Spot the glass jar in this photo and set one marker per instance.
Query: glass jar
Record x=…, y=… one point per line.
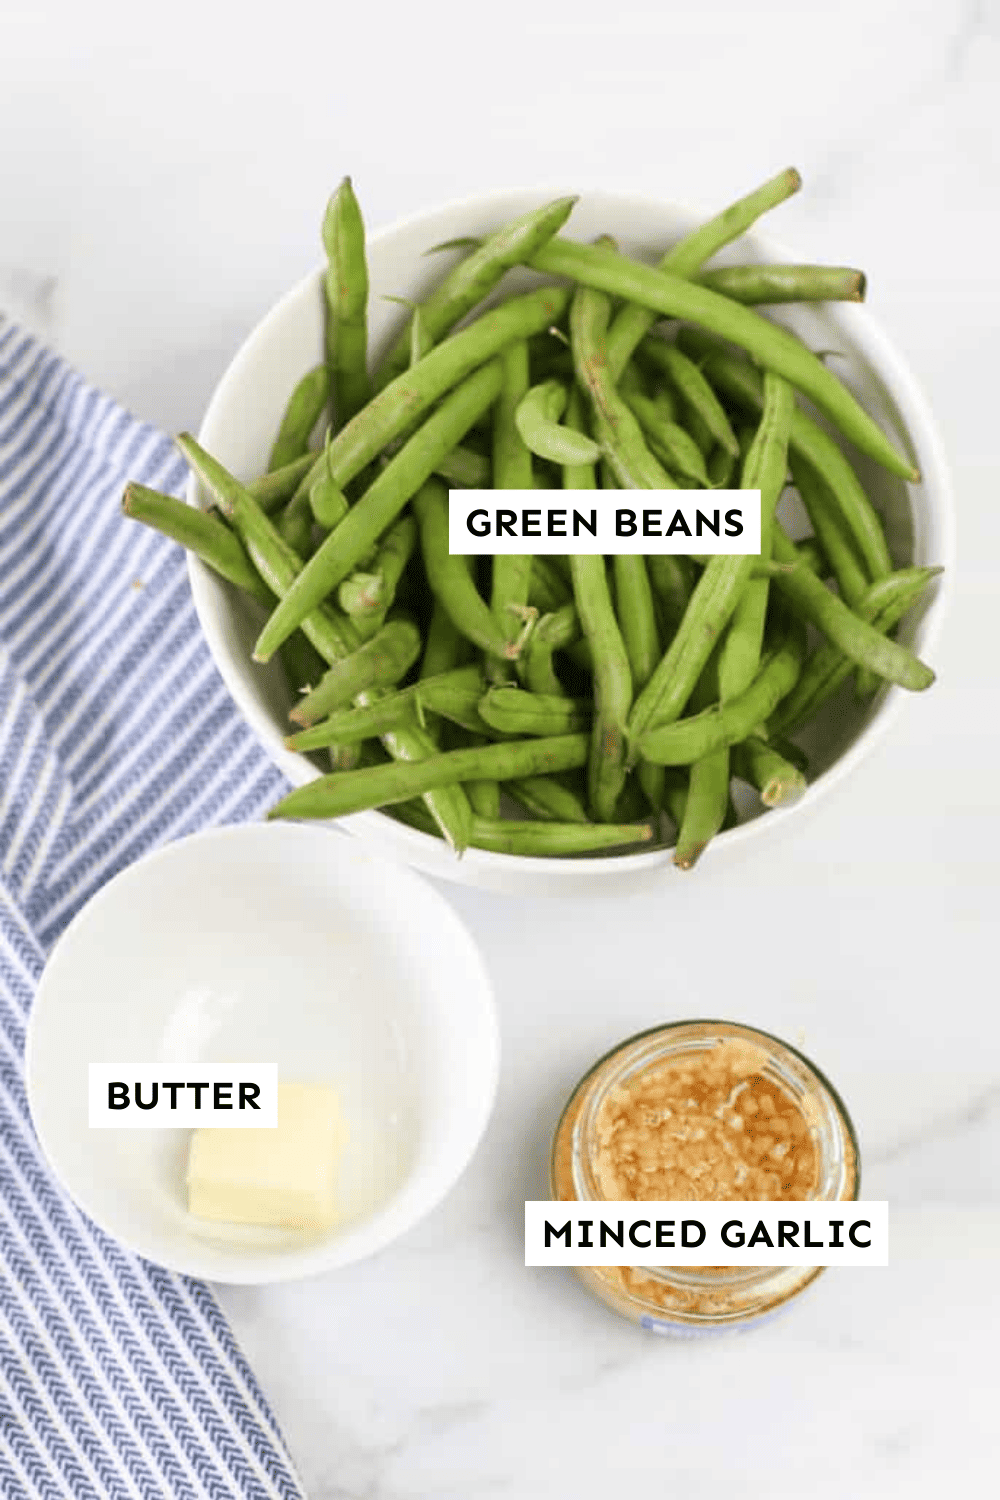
x=771, y=1076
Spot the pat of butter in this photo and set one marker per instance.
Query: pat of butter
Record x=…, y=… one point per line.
x=282, y=1177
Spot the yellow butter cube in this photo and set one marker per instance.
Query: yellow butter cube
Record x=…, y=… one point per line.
x=282, y=1177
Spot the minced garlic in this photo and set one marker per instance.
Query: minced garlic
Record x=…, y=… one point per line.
x=709, y=1111
x=705, y=1124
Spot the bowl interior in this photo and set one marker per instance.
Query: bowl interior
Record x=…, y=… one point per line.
x=273, y=943
x=247, y=406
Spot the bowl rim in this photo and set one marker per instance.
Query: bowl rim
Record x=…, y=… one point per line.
x=417, y=1195
x=424, y=850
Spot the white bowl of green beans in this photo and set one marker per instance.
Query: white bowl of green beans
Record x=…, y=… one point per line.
x=551, y=723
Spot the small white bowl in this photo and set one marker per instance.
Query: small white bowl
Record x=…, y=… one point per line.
x=243, y=418
x=268, y=943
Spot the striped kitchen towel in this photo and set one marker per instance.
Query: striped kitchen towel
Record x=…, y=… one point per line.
x=117, y=1378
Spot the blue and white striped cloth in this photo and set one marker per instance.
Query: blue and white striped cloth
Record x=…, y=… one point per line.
x=117, y=1378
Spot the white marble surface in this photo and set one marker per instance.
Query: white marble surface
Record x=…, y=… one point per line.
x=161, y=174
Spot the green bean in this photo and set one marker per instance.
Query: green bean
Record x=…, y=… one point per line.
x=812, y=554
x=741, y=381
x=277, y=563
x=397, y=406
x=546, y=839
x=449, y=577
x=413, y=814
x=372, y=594
x=548, y=592
x=552, y=632
x=333, y=637
x=617, y=430
x=637, y=621
x=782, y=283
x=301, y=663
x=858, y=639
x=272, y=490
x=511, y=710
x=709, y=610
x=721, y=467
x=380, y=504
x=690, y=254
x=694, y=390
x=612, y=674
x=831, y=531
x=465, y=469
x=764, y=469
x=483, y=792
x=201, y=532
x=537, y=420
x=706, y=796
x=761, y=765
x=377, y=663
x=327, y=500
x=352, y=791
x=346, y=287
x=548, y=798
x=705, y=808
x=675, y=794
x=360, y=597
x=295, y=523
x=669, y=442
x=475, y=277
x=883, y=606
x=672, y=581
x=685, y=741
x=305, y=406
x=512, y=470
x=778, y=350
x=444, y=645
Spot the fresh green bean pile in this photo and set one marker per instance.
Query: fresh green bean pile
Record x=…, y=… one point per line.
x=559, y=706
